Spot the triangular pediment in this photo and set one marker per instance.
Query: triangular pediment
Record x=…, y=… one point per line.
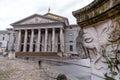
x=35, y=19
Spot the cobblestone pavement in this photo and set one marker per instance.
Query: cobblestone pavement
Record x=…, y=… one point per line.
x=19, y=69
x=76, y=69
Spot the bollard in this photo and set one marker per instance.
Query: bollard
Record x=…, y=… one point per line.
x=40, y=64
x=11, y=55
x=61, y=77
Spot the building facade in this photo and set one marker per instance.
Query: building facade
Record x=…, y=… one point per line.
x=43, y=33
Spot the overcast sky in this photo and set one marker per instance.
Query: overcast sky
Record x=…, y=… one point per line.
x=14, y=10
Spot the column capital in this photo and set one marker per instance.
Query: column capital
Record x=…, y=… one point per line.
x=46, y=28
x=20, y=30
x=62, y=28
x=32, y=29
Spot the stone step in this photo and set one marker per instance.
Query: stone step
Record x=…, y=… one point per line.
x=35, y=54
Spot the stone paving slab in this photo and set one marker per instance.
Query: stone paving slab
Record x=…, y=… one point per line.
x=20, y=69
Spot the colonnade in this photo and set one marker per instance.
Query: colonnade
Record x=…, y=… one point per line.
x=24, y=33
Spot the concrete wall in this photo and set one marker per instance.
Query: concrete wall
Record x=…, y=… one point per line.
x=68, y=31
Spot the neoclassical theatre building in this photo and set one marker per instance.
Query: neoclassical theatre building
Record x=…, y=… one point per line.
x=42, y=33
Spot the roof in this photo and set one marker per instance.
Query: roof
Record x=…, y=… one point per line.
x=54, y=15
x=3, y=32
x=57, y=17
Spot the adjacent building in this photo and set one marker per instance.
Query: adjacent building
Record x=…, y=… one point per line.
x=6, y=39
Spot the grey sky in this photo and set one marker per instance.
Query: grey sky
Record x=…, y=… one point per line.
x=14, y=10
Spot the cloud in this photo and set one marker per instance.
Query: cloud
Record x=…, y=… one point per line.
x=14, y=10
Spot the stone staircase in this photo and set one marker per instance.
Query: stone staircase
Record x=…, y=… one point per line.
x=36, y=54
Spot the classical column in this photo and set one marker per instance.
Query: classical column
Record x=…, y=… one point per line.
x=19, y=41
x=38, y=41
x=61, y=40
x=25, y=41
x=46, y=41
x=53, y=40
x=31, y=40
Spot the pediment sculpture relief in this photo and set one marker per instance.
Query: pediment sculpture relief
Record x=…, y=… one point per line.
x=36, y=20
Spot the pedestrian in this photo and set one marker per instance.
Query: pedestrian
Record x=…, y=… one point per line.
x=27, y=58
x=40, y=64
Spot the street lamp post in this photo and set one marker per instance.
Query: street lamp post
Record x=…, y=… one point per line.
x=8, y=41
x=13, y=44
x=11, y=54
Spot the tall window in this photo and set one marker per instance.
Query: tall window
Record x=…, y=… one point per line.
x=0, y=44
x=58, y=38
x=71, y=48
x=59, y=49
x=22, y=39
x=28, y=38
x=40, y=47
x=70, y=37
x=3, y=38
